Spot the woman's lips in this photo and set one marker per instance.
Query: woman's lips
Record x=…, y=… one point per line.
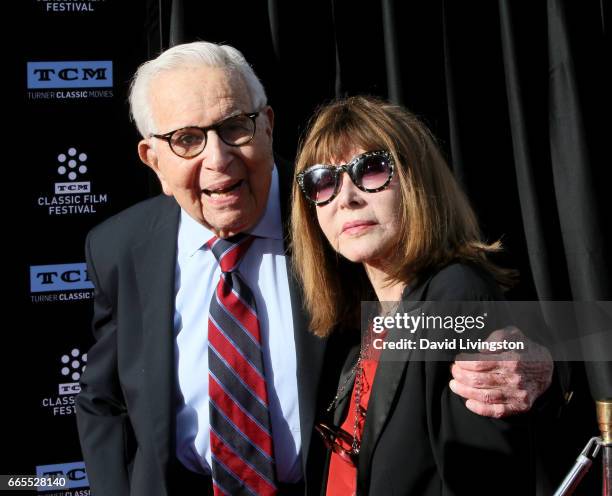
x=356, y=226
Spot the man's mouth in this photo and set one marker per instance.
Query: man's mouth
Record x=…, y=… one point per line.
x=219, y=192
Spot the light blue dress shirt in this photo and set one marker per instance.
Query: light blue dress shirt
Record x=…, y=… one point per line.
x=265, y=271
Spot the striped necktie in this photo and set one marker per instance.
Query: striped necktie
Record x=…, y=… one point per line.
x=240, y=429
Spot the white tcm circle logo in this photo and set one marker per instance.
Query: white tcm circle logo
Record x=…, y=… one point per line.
x=72, y=163
x=74, y=364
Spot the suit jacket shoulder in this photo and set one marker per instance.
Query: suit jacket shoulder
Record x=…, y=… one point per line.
x=114, y=239
x=128, y=225
x=110, y=246
x=457, y=281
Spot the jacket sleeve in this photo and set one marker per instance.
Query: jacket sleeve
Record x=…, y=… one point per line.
x=104, y=428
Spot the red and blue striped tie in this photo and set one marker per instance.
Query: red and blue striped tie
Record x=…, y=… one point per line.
x=240, y=429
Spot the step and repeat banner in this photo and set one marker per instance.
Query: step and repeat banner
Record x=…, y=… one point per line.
x=76, y=166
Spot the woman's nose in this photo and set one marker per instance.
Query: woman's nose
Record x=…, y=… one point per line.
x=349, y=195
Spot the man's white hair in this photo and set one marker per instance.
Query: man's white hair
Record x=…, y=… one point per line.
x=198, y=53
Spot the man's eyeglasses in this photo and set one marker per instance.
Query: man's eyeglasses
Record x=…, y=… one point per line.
x=187, y=142
x=340, y=442
x=370, y=171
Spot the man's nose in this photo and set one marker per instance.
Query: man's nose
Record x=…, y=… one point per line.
x=216, y=155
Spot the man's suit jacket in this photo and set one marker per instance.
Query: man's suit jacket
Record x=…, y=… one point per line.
x=125, y=410
x=419, y=438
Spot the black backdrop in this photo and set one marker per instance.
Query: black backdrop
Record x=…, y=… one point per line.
x=517, y=92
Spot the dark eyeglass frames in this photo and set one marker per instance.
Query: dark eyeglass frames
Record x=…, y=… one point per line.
x=187, y=142
x=370, y=172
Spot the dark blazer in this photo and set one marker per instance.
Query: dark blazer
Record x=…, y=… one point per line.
x=125, y=411
x=419, y=438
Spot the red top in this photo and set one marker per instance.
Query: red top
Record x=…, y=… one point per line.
x=342, y=476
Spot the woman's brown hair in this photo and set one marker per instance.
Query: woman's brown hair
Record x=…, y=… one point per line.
x=437, y=223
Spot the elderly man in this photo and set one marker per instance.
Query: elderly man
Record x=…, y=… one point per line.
x=204, y=376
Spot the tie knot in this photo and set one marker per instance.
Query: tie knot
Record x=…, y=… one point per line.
x=229, y=251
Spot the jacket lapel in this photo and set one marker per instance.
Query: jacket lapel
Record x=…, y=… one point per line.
x=154, y=262
x=391, y=368
x=310, y=351
x=389, y=373
x=345, y=385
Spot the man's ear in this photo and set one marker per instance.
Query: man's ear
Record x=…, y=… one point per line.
x=269, y=113
x=149, y=157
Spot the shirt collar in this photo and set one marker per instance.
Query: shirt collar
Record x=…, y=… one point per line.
x=193, y=235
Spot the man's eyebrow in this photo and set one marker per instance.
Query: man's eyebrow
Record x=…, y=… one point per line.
x=227, y=116
x=233, y=113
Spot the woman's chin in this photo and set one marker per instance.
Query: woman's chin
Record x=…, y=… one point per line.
x=357, y=256
x=363, y=251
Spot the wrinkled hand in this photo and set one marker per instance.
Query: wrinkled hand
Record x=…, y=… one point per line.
x=505, y=383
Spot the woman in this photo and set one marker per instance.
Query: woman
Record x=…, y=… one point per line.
x=378, y=215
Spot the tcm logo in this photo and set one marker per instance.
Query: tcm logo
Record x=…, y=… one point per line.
x=73, y=472
x=62, y=277
x=72, y=188
x=69, y=388
x=77, y=74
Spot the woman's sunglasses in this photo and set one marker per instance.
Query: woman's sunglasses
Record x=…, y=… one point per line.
x=340, y=442
x=370, y=172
